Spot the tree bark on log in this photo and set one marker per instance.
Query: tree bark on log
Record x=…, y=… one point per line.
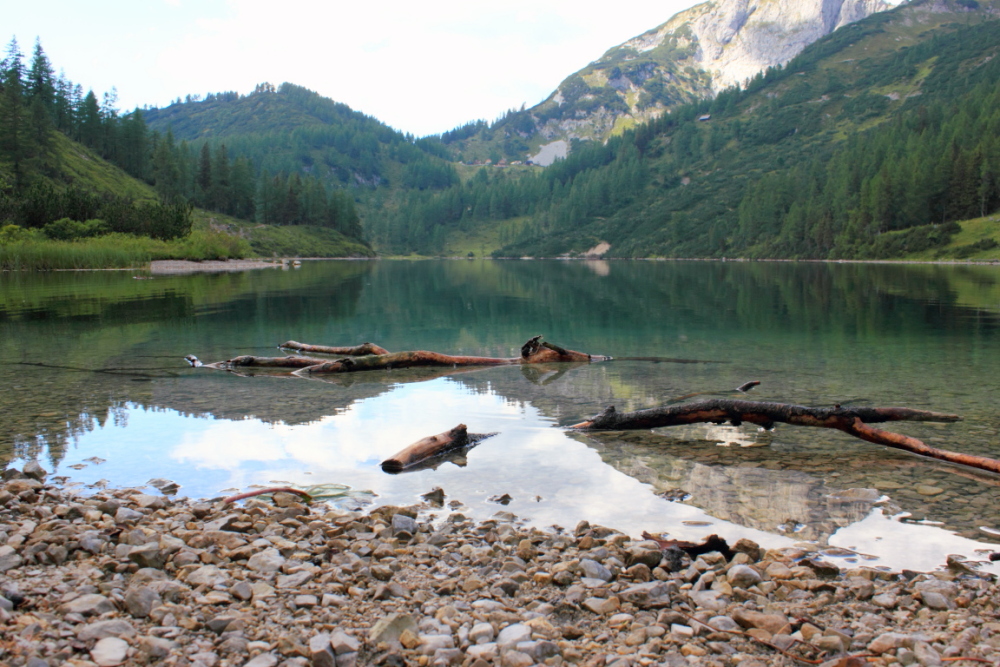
x=249, y=361
x=426, y=448
x=533, y=352
x=853, y=421
x=356, y=351
x=374, y=357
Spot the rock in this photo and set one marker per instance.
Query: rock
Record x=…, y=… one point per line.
x=724, y=624
x=648, y=556
x=150, y=502
x=435, y=496
x=935, y=600
x=207, y=575
x=147, y=555
x=343, y=643
x=91, y=604
x=645, y=595
x=885, y=642
x=269, y=560
x=708, y=600
x=157, y=647
x=512, y=634
x=293, y=580
x=748, y=547
x=126, y=515
x=320, y=651
x=9, y=559
x=481, y=633
x=821, y=567
x=109, y=651
x=926, y=655
x=857, y=495
x=33, y=470
x=112, y=628
x=599, y=606
x=594, y=570
x=773, y=623
x=743, y=576
x=164, y=486
x=389, y=628
x=403, y=523
x=483, y=652
x=262, y=660
x=430, y=644
x=516, y=659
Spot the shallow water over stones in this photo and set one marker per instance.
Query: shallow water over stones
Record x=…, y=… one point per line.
x=95, y=388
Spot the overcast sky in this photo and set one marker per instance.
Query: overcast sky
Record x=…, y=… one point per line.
x=422, y=67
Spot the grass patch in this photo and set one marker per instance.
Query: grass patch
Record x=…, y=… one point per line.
x=303, y=241
x=116, y=251
x=978, y=240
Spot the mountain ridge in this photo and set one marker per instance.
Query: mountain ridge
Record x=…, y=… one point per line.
x=694, y=55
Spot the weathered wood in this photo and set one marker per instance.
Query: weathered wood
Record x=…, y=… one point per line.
x=249, y=361
x=426, y=448
x=533, y=352
x=853, y=420
x=356, y=351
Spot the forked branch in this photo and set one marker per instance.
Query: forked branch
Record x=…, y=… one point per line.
x=852, y=420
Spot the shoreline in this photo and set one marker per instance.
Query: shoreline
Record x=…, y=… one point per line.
x=130, y=577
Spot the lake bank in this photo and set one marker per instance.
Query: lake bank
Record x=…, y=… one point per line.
x=129, y=576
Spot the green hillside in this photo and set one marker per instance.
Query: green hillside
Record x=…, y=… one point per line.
x=290, y=129
x=876, y=142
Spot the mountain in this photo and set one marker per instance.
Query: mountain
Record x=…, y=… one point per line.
x=693, y=56
x=291, y=129
x=879, y=140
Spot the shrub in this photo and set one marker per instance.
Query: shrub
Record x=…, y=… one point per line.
x=65, y=229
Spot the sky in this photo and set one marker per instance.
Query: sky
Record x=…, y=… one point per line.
x=422, y=67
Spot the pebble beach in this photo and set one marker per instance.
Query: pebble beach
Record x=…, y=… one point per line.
x=130, y=577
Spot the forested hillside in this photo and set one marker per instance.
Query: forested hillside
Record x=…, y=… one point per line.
x=289, y=129
x=74, y=168
x=872, y=143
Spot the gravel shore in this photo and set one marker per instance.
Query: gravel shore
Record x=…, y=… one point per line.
x=129, y=577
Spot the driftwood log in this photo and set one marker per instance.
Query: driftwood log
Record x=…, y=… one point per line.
x=533, y=352
x=432, y=447
x=369, y=357
x=356, y=351
x=852, y=420
x=249, y=361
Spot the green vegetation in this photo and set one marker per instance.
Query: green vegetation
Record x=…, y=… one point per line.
x=83, y=186
x=22, y=249
x=875, y=142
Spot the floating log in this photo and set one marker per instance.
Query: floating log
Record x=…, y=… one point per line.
x=356, y=351
x=372, y=357
x=533, y=352
x=422, y=451
x=853, y=421
x=249, y=361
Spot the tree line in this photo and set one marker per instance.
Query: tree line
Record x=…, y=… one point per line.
x=805, y=160
x=34, y=102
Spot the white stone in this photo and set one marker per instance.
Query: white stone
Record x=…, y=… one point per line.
x=109, y=651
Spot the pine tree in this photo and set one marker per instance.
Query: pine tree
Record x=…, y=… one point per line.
x=13, y=129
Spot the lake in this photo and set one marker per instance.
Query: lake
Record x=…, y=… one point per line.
x=94, y=386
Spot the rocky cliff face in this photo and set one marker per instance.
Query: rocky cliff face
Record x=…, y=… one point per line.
x=694, y=55
x=732, y=40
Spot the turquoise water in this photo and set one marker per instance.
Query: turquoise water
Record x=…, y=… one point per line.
x=91, y=365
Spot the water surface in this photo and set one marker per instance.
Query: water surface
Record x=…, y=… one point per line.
x=91, y=366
